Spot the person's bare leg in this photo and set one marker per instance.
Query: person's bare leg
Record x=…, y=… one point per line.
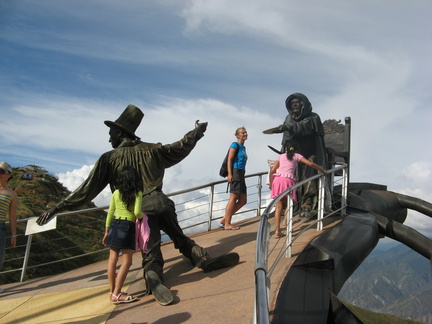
x=241, y=202
x=123, y=271
x=278, y=212
x=229, y=208
x=235, y=202
x=112, y=264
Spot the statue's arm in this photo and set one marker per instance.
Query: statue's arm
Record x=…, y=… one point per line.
x=276, y=130
x=171, y=154
x=88, y=190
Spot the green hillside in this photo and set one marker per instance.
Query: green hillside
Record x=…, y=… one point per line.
x=76, y=234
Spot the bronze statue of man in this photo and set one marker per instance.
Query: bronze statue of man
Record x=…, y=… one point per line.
x=150, y=160
x=305, y=127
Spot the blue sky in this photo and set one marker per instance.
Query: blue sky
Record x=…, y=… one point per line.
x=66, y=66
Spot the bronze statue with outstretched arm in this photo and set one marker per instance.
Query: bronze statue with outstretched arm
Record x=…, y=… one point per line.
x=150, y=160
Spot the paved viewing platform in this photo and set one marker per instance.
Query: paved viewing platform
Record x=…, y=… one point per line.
x=222, y=296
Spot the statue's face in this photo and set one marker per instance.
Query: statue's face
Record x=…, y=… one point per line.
x=296, y=108
x=114, y=138
x=296, y=105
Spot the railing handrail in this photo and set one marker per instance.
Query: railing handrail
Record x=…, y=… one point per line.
x=211, y=184
x=171, y=194
x=262, y=274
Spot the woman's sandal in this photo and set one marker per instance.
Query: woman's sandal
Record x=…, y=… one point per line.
x=128, y=299
x=278, y=235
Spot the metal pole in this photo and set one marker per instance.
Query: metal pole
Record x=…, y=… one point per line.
x=211, y=207
x=344, y=193
x=288, y=220
x=26, y=257
x=321, y=193
x=259, y=194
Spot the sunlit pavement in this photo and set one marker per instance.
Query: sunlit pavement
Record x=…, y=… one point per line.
x=222, y=296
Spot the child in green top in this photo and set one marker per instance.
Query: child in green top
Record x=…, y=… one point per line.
x=120, y=230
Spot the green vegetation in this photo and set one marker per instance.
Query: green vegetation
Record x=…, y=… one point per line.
x=75, y=234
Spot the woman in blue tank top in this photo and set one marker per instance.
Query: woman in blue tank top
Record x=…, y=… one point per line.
x=237, y=159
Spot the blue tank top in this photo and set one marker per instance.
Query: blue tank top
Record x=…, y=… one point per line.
x=241, y=156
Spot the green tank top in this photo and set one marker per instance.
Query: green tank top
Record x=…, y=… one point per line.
x=4, y=206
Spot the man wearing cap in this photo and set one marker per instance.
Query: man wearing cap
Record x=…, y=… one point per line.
x=150, y=160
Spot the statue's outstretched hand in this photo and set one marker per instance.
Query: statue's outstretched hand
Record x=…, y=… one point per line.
x=45, y=217
x=201, y=126
x=275, y=130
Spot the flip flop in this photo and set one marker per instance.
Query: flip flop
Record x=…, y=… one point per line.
x=222, y=226
x=234, y=228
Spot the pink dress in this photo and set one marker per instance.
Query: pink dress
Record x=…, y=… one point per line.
x=284, y=177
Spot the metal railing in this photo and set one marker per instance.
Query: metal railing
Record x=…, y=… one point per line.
x=262, y=271
x=198, y=209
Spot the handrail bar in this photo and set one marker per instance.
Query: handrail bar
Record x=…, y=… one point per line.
x=262, y=274
x=211, y=184
x=209, y=220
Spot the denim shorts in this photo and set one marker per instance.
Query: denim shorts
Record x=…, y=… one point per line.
x=121, y=235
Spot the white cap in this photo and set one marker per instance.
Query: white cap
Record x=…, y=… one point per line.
x=5, y=167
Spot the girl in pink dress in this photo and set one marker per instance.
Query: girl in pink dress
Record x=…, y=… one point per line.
x=282, y=177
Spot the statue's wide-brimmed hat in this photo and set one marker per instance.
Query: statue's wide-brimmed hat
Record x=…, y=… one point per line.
x=128, y=121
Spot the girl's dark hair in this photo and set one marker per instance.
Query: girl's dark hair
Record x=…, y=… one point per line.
x=130, y=185
x=291, y=147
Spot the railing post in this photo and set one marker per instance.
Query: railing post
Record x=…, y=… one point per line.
x=289, y=214
x=344, y=193
x=211, y=207
x=26, y=257
x=321, y=194
x=259, y=194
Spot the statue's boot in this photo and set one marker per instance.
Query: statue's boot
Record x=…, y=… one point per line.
x=219, y=262
x=202, y=260
x=161, y=293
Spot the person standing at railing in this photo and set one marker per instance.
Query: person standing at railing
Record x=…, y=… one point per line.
x=8, y=205
x=282, y=176
x=126, y=203
x=150, y=160
x=236, y=165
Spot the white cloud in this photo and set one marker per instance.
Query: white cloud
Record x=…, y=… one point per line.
x=418, y=172
x=420, y=223
x=73, y=179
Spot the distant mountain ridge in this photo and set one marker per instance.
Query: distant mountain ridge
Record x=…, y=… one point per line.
x=397, y=282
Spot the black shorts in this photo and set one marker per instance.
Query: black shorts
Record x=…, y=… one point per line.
x=238, y=186
x=121, y=235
